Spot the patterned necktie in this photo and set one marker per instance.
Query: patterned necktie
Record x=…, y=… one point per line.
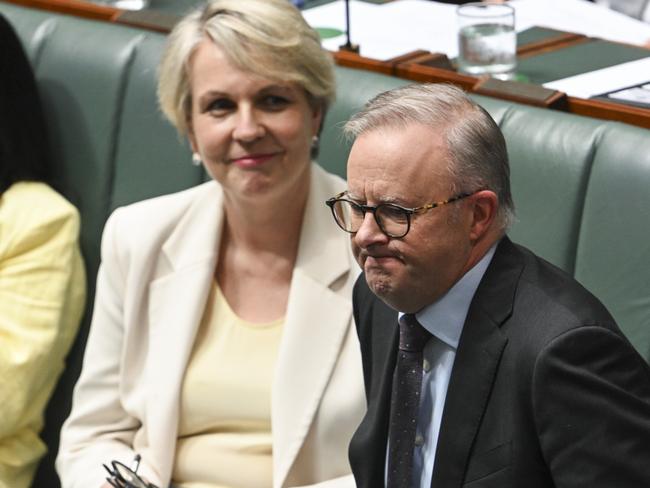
x=405, y=402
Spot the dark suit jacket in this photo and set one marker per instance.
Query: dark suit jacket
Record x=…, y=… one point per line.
x=545, y=390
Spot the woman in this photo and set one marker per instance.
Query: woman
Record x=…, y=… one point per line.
x=222, y=349
x=42, y=281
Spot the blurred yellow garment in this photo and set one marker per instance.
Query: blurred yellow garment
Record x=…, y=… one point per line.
x=224, y=432
x=42, y=295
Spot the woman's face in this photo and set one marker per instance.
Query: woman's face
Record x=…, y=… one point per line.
x=253, y=135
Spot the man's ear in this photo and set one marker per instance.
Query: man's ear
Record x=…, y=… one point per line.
x=485, y=205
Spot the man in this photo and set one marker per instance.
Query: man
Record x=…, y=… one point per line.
x=526, y=380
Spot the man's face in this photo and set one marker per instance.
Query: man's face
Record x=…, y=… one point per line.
x=408, y=167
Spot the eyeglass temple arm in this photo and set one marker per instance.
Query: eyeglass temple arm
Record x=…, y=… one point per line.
x=336, y=197
x=135, y=464
x=424, y=208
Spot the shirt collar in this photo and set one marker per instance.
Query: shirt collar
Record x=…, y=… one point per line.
x=445, y=317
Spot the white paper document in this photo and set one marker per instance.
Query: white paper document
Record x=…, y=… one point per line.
x=391, y=29
x=388, y=30
x=604, y=80
x=637, y=94
x=581, y=17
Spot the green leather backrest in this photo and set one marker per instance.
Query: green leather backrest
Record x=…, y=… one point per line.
x=613, y=254
x=551, y=156
x=354, y=89
x=112, y=146
x=150, y=159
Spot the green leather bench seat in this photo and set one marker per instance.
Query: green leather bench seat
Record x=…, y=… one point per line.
x=581, y=186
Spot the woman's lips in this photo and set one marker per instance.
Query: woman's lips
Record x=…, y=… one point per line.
x=252, y=160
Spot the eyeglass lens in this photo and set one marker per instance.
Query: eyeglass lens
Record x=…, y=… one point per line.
x=393, y=220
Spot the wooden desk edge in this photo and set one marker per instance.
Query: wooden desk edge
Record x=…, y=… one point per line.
x=78, y=8
x=618, y=112
x=563, y=39
x=424, y=74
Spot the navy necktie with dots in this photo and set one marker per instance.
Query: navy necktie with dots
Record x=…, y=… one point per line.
x=405, y=402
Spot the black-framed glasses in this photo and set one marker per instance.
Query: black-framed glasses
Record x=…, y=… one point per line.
x=122, y=476
x=393, y=220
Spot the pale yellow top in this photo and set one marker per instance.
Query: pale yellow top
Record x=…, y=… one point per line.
x=42, y=293
x=224, y=436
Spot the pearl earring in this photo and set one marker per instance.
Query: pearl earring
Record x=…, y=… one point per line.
x=196, y=159
x=315, y=142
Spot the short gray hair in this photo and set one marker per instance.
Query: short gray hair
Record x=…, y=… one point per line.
x=267, y=38
x=479, y=158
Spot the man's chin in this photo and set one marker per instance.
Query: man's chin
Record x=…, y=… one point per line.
x=385, y=289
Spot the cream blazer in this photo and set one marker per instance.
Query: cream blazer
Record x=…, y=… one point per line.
x=158, y=262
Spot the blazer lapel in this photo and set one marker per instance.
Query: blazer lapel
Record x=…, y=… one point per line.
x=176, y=302
x=477, y=360
x=317, y=321
x=380, y=335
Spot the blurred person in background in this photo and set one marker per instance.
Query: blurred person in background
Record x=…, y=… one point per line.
x=42, y=279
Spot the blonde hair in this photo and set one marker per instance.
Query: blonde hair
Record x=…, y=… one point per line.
x=267, y=38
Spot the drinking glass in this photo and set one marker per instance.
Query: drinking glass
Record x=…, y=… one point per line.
x=487, y=41
x=128, y=4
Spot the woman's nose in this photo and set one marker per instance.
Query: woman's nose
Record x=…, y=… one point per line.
x=248, y=126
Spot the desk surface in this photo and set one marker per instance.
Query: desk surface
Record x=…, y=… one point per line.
x=577, y=58
x=543, y=54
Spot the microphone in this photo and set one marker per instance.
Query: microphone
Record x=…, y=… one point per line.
x=348, y=46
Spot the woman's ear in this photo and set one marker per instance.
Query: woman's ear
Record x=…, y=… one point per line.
x=317, y=119
x=191, y=137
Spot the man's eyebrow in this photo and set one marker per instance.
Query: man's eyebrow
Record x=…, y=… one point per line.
x=384, y=199
x=351, y=196
x=392, y=199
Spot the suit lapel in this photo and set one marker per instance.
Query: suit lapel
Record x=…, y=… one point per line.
x=477, y=360
x=316, y=325
x=379, y=336
x=176, y=303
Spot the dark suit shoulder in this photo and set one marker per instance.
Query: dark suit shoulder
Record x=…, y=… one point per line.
x=549, y=302
x=591, y=398
x=537, y=303
x=570, y=394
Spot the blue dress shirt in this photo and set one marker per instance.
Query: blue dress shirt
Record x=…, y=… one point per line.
x=444, y=319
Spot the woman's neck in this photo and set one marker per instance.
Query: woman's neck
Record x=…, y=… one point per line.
x=259, y=247
x=269, y=224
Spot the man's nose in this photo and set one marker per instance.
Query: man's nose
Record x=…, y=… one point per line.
x=369, y=233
